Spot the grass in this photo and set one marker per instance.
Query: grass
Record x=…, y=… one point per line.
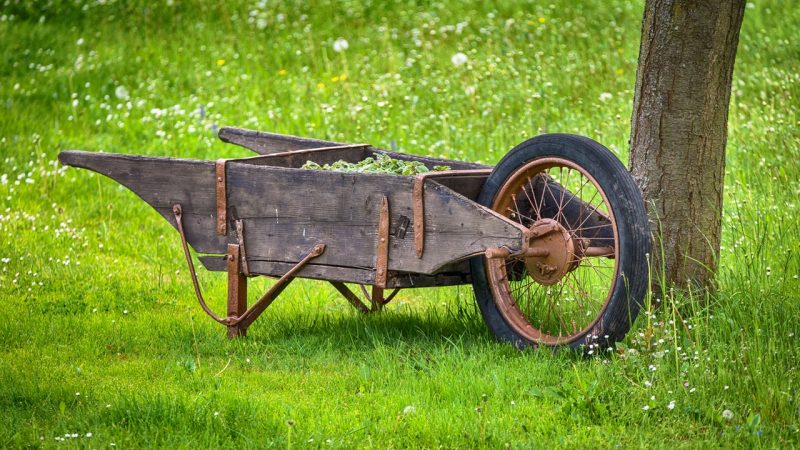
x=102, y=343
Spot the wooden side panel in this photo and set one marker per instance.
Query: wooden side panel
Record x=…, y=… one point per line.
x=268, y=143
x=163, y=182
x=296, y=159
x=285, y=212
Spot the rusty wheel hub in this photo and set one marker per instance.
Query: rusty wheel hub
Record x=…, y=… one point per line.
x=561, y=252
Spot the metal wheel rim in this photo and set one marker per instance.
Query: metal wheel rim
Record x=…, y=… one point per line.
x=496, y=268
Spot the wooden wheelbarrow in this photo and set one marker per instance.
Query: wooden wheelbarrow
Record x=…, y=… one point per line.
x=554, y=239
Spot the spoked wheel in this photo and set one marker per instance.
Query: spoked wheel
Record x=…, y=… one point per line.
x=583, y=279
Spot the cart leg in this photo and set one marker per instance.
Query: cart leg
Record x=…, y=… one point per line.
x=237, y=291
x=377, y=299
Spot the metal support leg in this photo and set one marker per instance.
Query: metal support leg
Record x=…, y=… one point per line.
x=239, y=318
x=376, y=300
x=237, y=291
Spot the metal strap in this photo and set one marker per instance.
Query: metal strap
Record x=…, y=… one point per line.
x=222, y=197
x=382, y=245
x=178, y=212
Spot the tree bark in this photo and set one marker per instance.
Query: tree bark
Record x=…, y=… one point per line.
x=679, y=131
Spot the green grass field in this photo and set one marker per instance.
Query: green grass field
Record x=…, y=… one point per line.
x=102, y=343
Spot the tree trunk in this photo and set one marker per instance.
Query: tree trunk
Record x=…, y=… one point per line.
x=679, y=131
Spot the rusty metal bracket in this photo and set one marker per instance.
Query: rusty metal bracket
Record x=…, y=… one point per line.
x=376, y=299
x=350, y=296
x=242, y=251
x=222, y=197
x=418, y=207
x=177, y=211
x=262, y=303
x=236, y=291
x=382, y=245
x=418, y=201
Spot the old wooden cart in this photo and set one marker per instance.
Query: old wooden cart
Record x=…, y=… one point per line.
x=554, y=239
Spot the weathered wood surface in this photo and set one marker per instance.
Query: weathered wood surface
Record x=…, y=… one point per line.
x=268, y=143
x=162, y=183
x=324, y=155
x=449, y=275
x=295, y=209
x=285, y=212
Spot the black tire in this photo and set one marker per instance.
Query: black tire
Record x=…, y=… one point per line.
x=625, y=209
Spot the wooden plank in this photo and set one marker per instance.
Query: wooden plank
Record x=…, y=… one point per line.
x=266, y=143
x=162, y=183
x=466, y=185
x=451, y=275
x=287, y=211
x=325, y=155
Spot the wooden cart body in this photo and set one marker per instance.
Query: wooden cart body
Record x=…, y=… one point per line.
x=263, y=215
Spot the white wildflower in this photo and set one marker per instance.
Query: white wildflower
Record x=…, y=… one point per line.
x=340, y=45
x=122, y=93
x=727, y=414
x=605, y=96
x=459, y=59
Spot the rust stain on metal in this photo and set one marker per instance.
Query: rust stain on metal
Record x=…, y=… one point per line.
x=237, y=290
x=376, y=299
x=262, y=303
x=222, y=198
x=242, y=251
x=177, y=211
x=239, y=320
x=382, y=246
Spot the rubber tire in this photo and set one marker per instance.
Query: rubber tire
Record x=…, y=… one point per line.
x=628, y=209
